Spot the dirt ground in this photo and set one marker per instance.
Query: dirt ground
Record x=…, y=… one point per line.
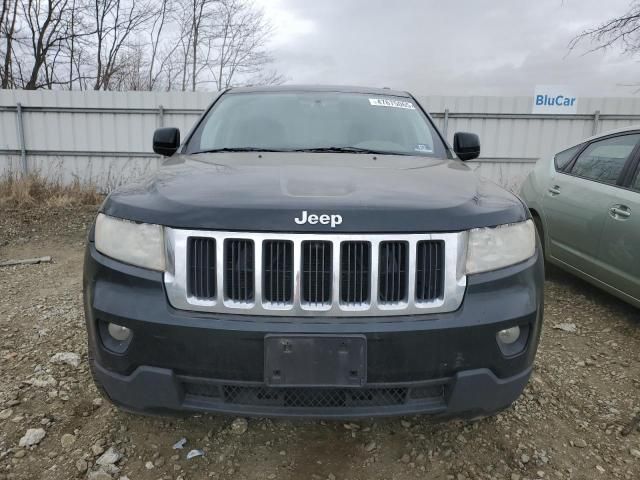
x=575, y=420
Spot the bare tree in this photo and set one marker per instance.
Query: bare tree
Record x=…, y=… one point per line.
x=47, y=31
x=72, y=43
x=223, y=42
x=4, y=15
x=623, y=31
x=37, y=35
x=198, y=14
x=115, y=23
x=196, y=37
x=265, y=77
x=185, y=36
x=8, y=25
x=159, y=22
x=243, y=32
x=131, y=73
x=170, y=70
x=133, y=44
x=4, y=10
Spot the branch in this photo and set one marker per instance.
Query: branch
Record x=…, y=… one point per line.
x=623, y=30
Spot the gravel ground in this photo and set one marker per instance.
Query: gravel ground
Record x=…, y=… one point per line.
x=575, y=420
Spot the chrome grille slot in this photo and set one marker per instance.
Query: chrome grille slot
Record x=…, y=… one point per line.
x=392, y=272
x=201, y=257
x=429, y=270
x=316, y=273
x=277, y=268
x=239, y=270
x=355, y=270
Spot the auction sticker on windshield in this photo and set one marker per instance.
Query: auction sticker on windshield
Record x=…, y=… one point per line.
x=385, y=102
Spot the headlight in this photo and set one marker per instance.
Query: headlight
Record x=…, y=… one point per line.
x=493, y=248
x=140, y=244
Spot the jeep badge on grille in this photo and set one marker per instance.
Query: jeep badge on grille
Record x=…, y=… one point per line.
x=323, y=219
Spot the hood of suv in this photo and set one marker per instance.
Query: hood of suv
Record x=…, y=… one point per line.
x=269, y=191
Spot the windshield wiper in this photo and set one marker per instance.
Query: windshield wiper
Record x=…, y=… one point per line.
x=347, y=150
x=311, y=150
x=241, y=149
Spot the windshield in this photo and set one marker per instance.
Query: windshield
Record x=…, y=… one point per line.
x=317, y=121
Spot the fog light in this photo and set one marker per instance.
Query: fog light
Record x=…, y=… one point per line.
x=118, y=332
x=509, y=335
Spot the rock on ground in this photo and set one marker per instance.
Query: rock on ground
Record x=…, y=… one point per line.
x=33, y=436
x=566, y=327
x=68, y=358
x=42, y=381
x=109, y=457
x=67, y=440
x=99, y=475
x=369, y=447
x=6, y=413
x=239, y=426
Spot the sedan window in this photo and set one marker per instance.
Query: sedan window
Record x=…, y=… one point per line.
x=604, y=160
x=636, y=182
x=563, y=158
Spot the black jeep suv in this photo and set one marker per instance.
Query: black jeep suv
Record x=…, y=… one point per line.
x=313, y=251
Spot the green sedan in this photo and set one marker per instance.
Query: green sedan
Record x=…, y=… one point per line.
x=585, y=202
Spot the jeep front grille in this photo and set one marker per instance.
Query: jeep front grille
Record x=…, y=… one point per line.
x=355, y=268
x=238, y=279
x=429, y=271
x=201, y=279
x=314, y=274
x=277, y=268
x=392, y=272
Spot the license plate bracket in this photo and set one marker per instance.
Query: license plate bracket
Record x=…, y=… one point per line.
x=315, y=360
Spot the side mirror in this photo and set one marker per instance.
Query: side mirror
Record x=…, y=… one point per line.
x=466, y=145
x=166, y=141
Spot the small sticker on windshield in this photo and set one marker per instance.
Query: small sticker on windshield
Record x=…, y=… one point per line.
x=385, y=102
x=423, y=148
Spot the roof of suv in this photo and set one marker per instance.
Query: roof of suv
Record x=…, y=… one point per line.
x=320, y=88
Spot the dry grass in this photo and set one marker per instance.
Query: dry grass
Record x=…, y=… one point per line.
x=34, y=189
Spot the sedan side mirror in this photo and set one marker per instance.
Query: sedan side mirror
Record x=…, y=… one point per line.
x=466, y=145
x=166, y=141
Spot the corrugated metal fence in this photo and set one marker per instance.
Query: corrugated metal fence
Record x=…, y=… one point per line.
x=105, y=137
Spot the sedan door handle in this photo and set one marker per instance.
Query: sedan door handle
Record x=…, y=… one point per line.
x=620, y=212
x=555, y=190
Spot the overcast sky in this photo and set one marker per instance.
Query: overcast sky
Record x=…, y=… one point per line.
x=461, y=47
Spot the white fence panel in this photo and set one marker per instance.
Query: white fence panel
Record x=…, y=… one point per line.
x=99, y=137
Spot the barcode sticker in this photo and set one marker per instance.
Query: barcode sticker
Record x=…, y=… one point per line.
x=385, y=102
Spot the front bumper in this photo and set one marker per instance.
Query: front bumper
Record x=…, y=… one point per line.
x=446, y=364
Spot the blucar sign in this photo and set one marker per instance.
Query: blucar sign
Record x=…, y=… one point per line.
x=554, y=99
